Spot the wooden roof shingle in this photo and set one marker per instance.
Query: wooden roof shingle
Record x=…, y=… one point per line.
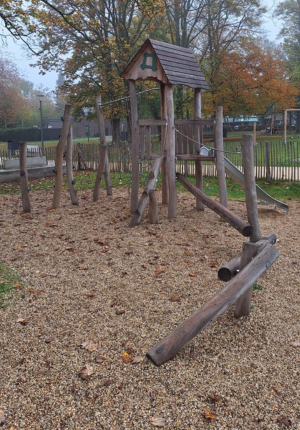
x=177, y=65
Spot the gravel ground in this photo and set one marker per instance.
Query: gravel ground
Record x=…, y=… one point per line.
x=96, y=295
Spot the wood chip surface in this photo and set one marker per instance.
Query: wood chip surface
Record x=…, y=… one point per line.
x=82, y=266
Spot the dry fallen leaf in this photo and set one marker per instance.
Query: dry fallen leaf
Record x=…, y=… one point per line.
x=99, y=359
x=295, y=344
x=86, y=372
x=174, y=299
x=193, y=275
x=18, y=287
x=159, y=271
x=285, y=421
x=89, y=346
x=34, y=291
x=126, y=358
x=214, y=264
x=158, y=421
x=23, y=321
x=2, y=417
x=209, y=415
x=137, y=359
x=120, y=312
x=186, y=251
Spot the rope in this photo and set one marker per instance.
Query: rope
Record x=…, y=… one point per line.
x=211, y=147
x=127, y=97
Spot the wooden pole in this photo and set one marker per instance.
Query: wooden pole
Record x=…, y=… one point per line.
x=198, y=163
x=24, y=177
x=250, y=188
x=164, y=177
x=177, y=339
x=135, y=146
x=230, y=269
x=69, y=167
x=59, y=157
x=244, y=228
x=152, y=212
x=103, y=153
x=220, y=156
x=170, y=146
x=151, y=184
x=284, y=125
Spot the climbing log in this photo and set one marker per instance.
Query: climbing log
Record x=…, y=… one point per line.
x=230, y=269
x=59, y=157
x=244, y=228
x=177, y=339
x=151, y=184
x=24, y=177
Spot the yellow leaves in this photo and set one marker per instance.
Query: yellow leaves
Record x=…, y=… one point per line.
x=209, y=415
x=126, y=358
x=186, y=251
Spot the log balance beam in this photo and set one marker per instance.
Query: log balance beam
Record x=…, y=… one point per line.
x=230, y=269
x=244, y=228
x=168, y=347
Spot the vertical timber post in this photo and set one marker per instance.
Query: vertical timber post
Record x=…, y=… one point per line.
x=284, y=125
x=220, y=156
x=198, y=164
x=135, y=146
x=24, y=177
x=164, y=179
x=170, y=146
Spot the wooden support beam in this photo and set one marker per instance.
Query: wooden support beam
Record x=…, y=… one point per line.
x=69, y=167
x=220, y=156
x=134, y=146
x=197, y=134
x=164, y=176
x=100, y=171
x=24, y=177
x=230, y=269
x=59, y=157
x=250, y=186
x=168, y=347
x=152, y=212
x=244, y=228
x=170, y=147
x=151, y=184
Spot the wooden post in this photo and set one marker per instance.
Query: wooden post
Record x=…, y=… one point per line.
x=135, y=146
x=148, y=142
x=151, y=184
x=267, y=156
x=59, y=157
x=173, y=342
x=170, y=146
x=244, y=228
x=101, y=166
x=164, y=176
x=250, y=188
x=80, y=157
x=24, y=177
x=220, y=156
x=198, y=163
x=230, y=269
x=69, y=167
x=152, y=212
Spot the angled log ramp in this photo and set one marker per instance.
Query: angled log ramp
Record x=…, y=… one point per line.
x=151, y=184
x=244, y=228
x=232, y=291
x=229, y=270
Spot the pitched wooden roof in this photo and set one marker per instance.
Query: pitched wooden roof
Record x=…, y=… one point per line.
x=174, y=65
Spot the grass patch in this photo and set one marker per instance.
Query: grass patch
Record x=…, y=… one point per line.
x=8, y=280
x=84, y=180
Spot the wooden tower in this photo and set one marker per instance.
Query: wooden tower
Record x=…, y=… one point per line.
x=169, y=65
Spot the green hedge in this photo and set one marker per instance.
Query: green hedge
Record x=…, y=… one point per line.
x=28, y=134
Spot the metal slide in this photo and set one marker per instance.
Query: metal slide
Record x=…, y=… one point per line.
x=234, y=173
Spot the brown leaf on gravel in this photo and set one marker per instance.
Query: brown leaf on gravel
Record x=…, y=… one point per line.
x=18, y=287
x=137, y=359
x=2, y=417
x=108, y=383
x=99, y=359
x=158, y=421
x=43, y=275
x=34, y=291
x=89, y=346
x=214, y=398
x=159, y=271
x=120, y=312
x=86, y=372
x=214, y=264
x=175, y=299
x=90, y=295
x=284, y=421
x=126, y=358
x=186, y=251
x=23, y=321
x=193, y=275
x=295, y=344
x=209, y=415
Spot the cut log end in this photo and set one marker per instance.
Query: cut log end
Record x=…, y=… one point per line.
x=224, y=274
x=247, y=231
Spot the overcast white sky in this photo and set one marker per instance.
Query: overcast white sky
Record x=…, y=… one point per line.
x=17, y=54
